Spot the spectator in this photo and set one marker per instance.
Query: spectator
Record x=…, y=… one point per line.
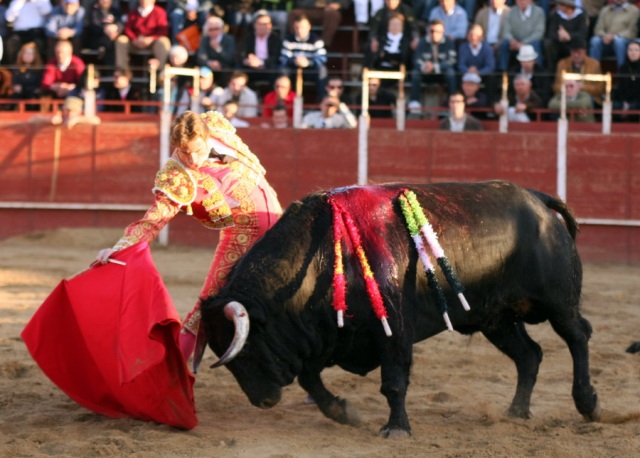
x=238, y=91
x=147, y=27
x=217, y=50
x=592, y=10
x=183, y=13
x=81, y=89
x=434, y=62
x=568, y=22
x=617, y=24
x=238, y=14
x=424, y=8
x=304, y=49
x=378, y=26
x=28, y=19
x=627, y=94
x=458, y=119
x=492, y=19
x=579, y=62
x=278, y=11
x=522, y=102
x=70, y=115
x=260, y=50
x=324, y=13
x=330, y=116
x=66, y=22
x=576, y=99
x=279, y=118
x=206, y=95
x=475, y=55
x=27, y=76
x=230, y=111
x=454, y=18
x=104, y=25
x=525, y=24
x=335, y=87
x=394, y=49
x=528, y=66
x=282, y=95
x=474, y=96
x=62, y=73
x=363, y=13
x=123, y=89
x=381, y=100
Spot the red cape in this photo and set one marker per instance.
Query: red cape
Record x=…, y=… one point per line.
x=108, y=338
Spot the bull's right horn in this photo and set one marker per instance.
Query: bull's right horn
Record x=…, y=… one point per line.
x=235, y=312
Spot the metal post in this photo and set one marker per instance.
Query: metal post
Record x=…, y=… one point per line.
x=165, y=122
x=363, y=124
x=503, y=122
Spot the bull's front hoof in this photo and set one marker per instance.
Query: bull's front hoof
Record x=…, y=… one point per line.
x=519, y=412
x=341, y=411
x=596, y=414
x=394, y=433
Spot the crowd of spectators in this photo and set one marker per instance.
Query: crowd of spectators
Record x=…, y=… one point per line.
x=249, y=51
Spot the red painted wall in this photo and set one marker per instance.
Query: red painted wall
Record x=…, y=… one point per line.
x=115, y=163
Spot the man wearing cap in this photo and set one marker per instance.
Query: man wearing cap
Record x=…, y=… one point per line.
x=617, y=24
x=259, y=53
x=473, y=95
x=568, y=22
x=525, y=24
x=528, y=65
x=579, y=62
x=206, y=96
x=66, y=22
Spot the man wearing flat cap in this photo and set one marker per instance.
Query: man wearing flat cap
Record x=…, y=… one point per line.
x=567, y=22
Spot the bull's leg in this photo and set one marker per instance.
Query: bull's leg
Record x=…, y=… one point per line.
x=395, y=371
x=512, y=339
x=331, y=406
x=576, y=332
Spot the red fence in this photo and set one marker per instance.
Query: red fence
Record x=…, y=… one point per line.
x=104, y=167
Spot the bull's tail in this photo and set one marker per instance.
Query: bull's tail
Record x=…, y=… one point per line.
x=559, y=206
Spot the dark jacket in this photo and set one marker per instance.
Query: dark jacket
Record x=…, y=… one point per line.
x=274, y=46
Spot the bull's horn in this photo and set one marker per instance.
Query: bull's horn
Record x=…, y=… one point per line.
x=235, y=312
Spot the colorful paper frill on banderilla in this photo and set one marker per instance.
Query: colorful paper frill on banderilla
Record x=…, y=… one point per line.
x=344, y=226
x=420, y=228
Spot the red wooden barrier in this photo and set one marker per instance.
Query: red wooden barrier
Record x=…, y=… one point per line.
x=115, y=162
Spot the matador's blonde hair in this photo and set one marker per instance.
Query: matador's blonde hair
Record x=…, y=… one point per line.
x=187, y=127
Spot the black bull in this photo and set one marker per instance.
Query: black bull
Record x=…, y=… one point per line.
x=515, y=258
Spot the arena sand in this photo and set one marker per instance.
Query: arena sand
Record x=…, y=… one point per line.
x=460, y=387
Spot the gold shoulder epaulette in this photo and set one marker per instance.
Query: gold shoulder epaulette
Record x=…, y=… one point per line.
x=176, y=183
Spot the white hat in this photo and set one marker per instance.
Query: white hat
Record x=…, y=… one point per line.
x=470, y=77
x=526, y=53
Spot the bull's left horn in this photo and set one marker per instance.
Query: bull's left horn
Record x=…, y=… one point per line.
x=235, y=312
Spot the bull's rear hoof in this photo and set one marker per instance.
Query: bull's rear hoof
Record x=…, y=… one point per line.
x=394, y=433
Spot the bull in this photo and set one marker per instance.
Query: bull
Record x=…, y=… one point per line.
x=515, y=258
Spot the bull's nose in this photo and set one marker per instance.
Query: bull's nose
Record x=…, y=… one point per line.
x=269, y=401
